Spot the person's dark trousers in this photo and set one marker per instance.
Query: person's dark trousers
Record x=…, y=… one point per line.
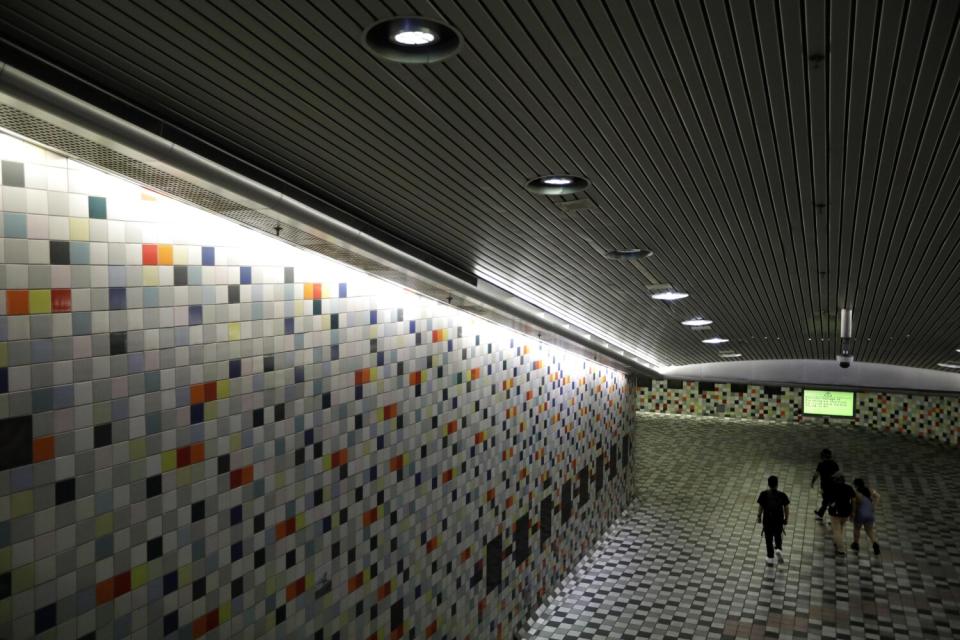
x=774, y=540
x=825, y=500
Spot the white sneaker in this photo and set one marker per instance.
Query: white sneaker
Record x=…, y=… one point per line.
x=780, y=556
x=770, y=561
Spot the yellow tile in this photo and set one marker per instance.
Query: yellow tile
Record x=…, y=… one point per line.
x=103, y=525
x=5, y=559
x=40, y=301
x=21, y=504
x=233, y=330
x=151, y=276
x=138, y=448
x=181, y=255
x=22, y=578
x=224, y=612
x=223, y=389
x=168, y=460
x=3, y=354
x=138, y=576
x=79, y=229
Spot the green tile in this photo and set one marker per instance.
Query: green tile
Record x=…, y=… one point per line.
x=97, y=207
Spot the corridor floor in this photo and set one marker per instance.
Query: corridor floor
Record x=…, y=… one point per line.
x=686, y=560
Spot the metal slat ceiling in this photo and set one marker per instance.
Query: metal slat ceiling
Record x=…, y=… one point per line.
x=782, y=159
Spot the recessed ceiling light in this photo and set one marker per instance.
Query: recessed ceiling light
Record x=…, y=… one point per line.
x=696, y=322
x=412, y=40
x=714, y=340
x=414, y=37
x=557, y=185
x=730, y=355
x=629, y=254
x=669, y=295
x=949, y=365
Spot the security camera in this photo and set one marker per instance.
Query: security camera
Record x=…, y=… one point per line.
x=845, y=361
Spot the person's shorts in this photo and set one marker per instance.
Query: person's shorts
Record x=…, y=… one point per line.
x=865, y=522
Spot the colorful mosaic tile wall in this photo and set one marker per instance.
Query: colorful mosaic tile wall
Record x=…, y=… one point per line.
x=927, y=417
x=205, y=432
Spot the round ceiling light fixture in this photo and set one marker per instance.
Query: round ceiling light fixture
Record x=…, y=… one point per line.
x=670, y=296
x=949, y=365
x=696, y=322
x=628, y=254
x=714, y=340
x=557, y=185
x=412, y=40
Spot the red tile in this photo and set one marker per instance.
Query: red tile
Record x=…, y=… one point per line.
x=355, y=582
x=210, y=391
x=149, y=254
x=61, y=300
x=43, y=449
x=121, y=584
x=105, y=591
x=183, y=457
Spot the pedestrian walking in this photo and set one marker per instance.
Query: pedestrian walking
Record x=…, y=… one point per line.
x=864, y=514
x=840, y=508
x=773, y=513
x=826, y=469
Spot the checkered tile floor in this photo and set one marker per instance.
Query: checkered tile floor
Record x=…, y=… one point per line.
x=686, y=560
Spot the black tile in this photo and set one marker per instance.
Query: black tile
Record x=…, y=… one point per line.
x=521, y=539
x=118, y=342
x=102, y=435
x=199, y=588
x=493, y=563
x=45, y=618
x=59, y=252
x=198, y=511
x=154, y=548
x=16, y=445
x=233, y=293
x=180, y=275
x=154, y=485
x=66, y=490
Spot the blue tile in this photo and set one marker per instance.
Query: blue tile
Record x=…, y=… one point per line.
x=235, y=368
x=4, y=380
x=79, y=252
x=317, y=307
x=81, y=323
x=373, y=316
x=287, y=326
x=196, y=413
x=196, y=314
x=118, y=298
x=15, y=225
x=208, y=255
x=246, y=275
x=151, y=297
x=97, y=207
x=343, y=289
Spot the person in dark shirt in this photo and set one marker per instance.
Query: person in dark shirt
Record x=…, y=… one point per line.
x=825, y=471
x=773, y=512
x=840, y=508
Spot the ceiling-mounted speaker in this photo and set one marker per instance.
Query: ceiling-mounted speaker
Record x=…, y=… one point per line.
x=572, y=206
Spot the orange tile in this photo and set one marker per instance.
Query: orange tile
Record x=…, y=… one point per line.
x=370, y=517
x=105, y=591
x=18, y=302
x=199, y=626
x=339, y=458
x=355, y=582
x=384, y=590
x=307, y=291
x=447, y=476
x=165, y=254
x=43, y=449
x=396, y=463
x=432, y=544
x=451, y=427
x=197, y=453
x=196, y=394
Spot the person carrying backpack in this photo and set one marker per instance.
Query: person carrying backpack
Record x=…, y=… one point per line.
x=840, y=509
x=865, y=505
x=773, y=512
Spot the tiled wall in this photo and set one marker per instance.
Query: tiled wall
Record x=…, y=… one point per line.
x=927, y=417
x=206, y=432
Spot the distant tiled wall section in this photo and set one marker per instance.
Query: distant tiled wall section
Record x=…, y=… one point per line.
x=927, y=417
x=206, y=432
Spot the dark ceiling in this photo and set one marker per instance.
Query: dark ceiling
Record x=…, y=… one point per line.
x=782, y=159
